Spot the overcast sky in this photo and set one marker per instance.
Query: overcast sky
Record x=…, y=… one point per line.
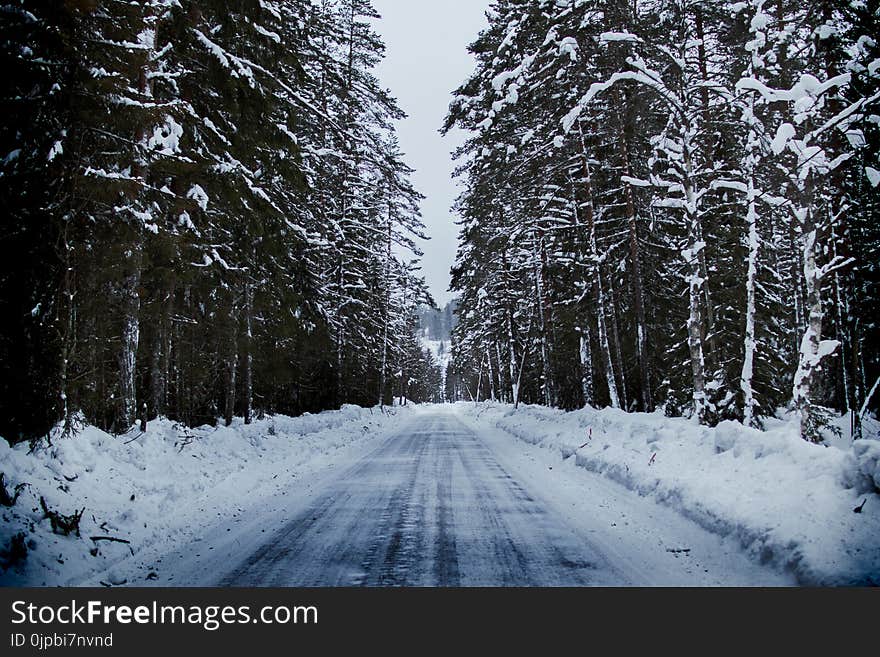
x=426, y=61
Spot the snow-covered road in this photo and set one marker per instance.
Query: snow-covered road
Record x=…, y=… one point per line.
x=444, y=502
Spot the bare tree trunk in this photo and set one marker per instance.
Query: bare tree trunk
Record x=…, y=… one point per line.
x=340, y=329
x=522, y=364
x=542, y=323
x=68, y=335
x=615, y=336
x=156, y=374
x=479, y=382
x=601, y=302
x=131, y=282
x=709, y=147
x=813, y=348
x=230, y=365
x=586, y=355
x=514, y=380
x=750, y=343
x=248, y=352
x=638, y=293
x=695, y=284
x=131, y=306
x=811, y=343
x=490, y=373
x=498, y=361
x=387, y=311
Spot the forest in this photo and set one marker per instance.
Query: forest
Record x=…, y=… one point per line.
x=672, y=205
x=206, y=214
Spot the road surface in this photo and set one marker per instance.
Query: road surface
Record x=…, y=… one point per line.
x=447, y=503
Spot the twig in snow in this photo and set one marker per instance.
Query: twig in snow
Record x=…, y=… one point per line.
x=589, y=438
x=133, y=439
x=109, y=538
x=7, y=499
x=113, y=539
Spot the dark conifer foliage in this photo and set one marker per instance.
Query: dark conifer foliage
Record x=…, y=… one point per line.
x=206, y=215
x=667, y=206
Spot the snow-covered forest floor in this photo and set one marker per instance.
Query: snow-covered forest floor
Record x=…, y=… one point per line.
x=162, y=488
x=788, y=502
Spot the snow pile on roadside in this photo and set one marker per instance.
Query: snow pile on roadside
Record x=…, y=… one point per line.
x=162, y=486
x=789, y=503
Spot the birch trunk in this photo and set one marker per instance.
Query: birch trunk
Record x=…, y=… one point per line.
x=695, y=291
x=750, y=343
x=813, y=349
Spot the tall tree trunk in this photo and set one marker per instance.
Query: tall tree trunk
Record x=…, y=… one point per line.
x=67, y=338
x=387, y=312
x=750, y=343
x=498, y=361
x=586, y=356
x=813, y=349
x=596, y=264
x=230, y=368
x=542, y=322
x=130, y=288
x=156, y=374
x=167, y=355
x=248, y=352
x=647, y=395
x=615, y=337
x=695, y=285
x=490, y=373
x=511, y=342
x=131, y=306
x=340, y=329
x=479, y=382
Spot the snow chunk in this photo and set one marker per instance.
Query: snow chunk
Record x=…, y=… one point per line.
x=166, y=137
x=783, y=135
x=569, y=46
x=501, y=79
x=267, y=33
x=873, y=176
x=611, y=37
x=867, y=454
x=198, y=194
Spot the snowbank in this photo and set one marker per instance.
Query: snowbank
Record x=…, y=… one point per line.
x=162, y=486
x=789, y=503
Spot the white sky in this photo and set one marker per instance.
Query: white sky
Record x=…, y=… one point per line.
x=426, y=60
